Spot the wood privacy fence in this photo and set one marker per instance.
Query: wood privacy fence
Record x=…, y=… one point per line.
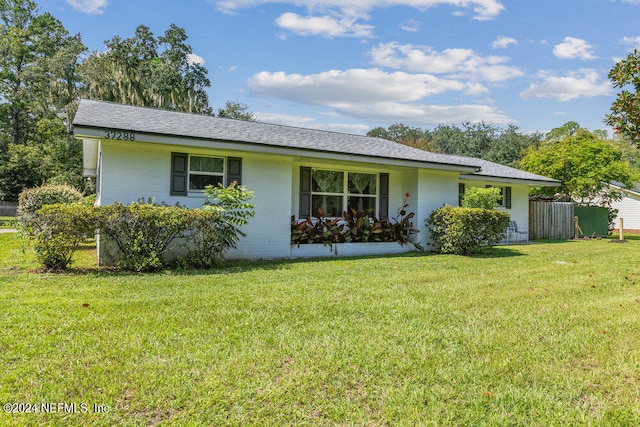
x=8, y=208
x=551, y=220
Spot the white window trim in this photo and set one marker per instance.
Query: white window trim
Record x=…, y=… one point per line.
x=200, y=193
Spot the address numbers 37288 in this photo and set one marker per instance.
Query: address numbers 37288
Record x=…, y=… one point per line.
x=119, y=135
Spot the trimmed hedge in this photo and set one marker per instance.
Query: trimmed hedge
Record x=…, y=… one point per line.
x=466, y=231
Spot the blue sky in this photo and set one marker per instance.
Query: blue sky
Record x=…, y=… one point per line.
x=351, y=65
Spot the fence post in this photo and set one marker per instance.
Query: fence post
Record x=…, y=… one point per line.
x=621, y=229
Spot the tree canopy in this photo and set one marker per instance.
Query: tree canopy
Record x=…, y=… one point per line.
x=481, y=140
x=625, y=110
x=583, y=161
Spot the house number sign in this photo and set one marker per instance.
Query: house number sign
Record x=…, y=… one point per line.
x=119, y=135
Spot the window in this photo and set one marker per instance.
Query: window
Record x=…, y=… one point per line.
x=333, y=192
x=192, y=173
x=505, y=196
x=205, y=171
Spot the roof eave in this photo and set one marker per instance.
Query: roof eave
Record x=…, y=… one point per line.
x=506, y=180
x=97, y=132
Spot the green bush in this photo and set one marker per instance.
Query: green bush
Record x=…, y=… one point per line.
x=216, y=227
x=478, y=197
x=466, y=231
x=142, y=232
x=32, y=199
x=57, y=231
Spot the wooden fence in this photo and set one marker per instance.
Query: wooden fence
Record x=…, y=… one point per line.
x=8, y=208
x=551, y=220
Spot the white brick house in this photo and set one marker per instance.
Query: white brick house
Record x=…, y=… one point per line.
x=139, y=153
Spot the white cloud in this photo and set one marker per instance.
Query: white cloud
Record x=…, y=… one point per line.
x=325, y=26
x=412, y=26
x=375, y=95
x=360, y=86
x=584, y=83
x=573, y=48
x=426, y=115
x=456, y=63
x=192, y=58
x=483, y=9
x=502, y=42
x=90, y=7
x=634, y=42
x=310, y=123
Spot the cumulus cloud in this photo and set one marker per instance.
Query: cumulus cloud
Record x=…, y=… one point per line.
x=634, y=42
x=325, y=26
x=374, y=94
x=192, y=58
x=90, y=7
x=427, y=115
x=584, y=83
x=483, y=9
x=360, y=86
x=456, y=63
x=573, y=48
x=503, y=42
x=412, y=26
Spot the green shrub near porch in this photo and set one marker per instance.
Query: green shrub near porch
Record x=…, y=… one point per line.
x=466, y=231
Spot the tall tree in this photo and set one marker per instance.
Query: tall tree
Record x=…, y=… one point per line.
x=625, y=110
x=28, y=42
x=147, y=71
x=583, y=161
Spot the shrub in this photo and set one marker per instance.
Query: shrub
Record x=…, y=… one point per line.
x=216, y=227
x=142, y=232
x=465, y=231
x=32, y=199
x=478, y=197
x=57, y=231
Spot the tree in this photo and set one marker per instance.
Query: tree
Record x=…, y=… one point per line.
x=149, y=71
x=407, y=135
x=484, y=141
x=236, y=110
x=625, y=110
x=28, y=43
x=582, y=161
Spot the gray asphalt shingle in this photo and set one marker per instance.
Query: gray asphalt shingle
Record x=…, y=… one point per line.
x=107, y=115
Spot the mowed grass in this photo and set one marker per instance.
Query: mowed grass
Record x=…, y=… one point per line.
x=545, y=334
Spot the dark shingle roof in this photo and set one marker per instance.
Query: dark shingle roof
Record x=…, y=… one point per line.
x=107, y=115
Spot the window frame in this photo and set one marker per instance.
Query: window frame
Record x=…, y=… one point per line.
x=204, y=173
x=345, y=195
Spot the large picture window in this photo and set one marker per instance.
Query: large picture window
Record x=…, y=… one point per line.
x=333, y=192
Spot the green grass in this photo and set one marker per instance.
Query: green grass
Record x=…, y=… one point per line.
x=542, y=335
x=7, y=222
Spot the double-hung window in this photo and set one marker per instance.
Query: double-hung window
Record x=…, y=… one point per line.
x=333, y=192
x=204, y=170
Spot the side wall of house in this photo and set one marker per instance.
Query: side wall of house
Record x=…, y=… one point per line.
x=435, y=189
x=628, y=209
x=130, y=172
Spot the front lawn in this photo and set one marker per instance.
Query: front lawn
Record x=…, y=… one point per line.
x=545, y=334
